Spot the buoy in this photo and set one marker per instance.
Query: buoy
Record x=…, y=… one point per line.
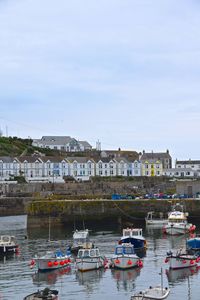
x=129, y=262
x=184, y=261
x=55, y=263
x=61, y=262
x=117, y=261
x=50, y=264
x=166, y=260
x=192, y=262
x=140, y=263
x=66, y=261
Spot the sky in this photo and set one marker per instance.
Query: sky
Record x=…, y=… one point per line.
x=124, y=72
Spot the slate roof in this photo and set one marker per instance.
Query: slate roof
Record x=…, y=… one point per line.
x=155, y=155
x=79, y=159
x=188, y=162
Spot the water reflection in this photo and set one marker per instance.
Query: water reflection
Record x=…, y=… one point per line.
x=180, y=275
x=90, y=278
x=50, y=277
x=125, y=278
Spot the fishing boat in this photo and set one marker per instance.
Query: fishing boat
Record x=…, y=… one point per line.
x=8, y=244
x=51, y=260
x=46, y=294
x=156, y=293
x=181, y=259
x=133, y=236
x=81, y=240
x=89, y=259
x=157, y=221
x=177, y=222
x=125, y=257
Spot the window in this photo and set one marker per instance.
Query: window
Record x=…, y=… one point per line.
x=100, y=165
x=146, y=166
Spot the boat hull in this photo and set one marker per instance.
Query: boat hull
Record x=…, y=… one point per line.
x=125, y=262
x=156, y=293
x=136, y=242
x=181, y=262
x=173, y=229
x=8, y=249
x=87, y=264
x=47, y=264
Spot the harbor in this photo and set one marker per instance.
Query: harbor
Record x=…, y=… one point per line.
x=18, y=279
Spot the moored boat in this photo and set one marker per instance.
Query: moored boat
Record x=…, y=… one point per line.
x=157, y=221
x=193, y=244
x=81, y=240
x=181, y=260
x=152, y=293
x=177, y=222
x=51, y=260
x=125, y=257
x=133, y=236
x=8, y=244
x=156, y=292
x=89, y=259
x=46, y=294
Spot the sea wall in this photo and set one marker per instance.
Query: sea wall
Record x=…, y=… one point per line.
x=66, y=211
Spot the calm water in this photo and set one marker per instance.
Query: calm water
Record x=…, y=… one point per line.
x=18, y=280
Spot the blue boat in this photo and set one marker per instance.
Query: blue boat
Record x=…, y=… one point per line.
x=133, y=236
x=193, y=244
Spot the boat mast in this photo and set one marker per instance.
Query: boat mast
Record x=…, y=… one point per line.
x=161, y=273
x=49, y=229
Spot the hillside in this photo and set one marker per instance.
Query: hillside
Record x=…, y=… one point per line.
x=14, y=146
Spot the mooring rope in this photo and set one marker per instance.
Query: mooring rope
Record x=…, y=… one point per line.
x=127, y=215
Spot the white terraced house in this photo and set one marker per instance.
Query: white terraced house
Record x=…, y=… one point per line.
x=106, y=167
x=9, y=167
x=81, y=168
x=62, y=143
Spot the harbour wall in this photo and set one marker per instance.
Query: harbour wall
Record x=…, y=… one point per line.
x=68, y=211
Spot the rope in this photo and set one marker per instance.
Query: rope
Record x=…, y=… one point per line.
x=127, y=215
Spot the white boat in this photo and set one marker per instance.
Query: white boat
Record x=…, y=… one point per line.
x=8, y=244
x=81, y=240
x=125, y=257
x=133, y=236
x=45, y=294
x=156, y=293
x=181, y=260
x=177, y=222
x=152, y=220
x=51, y=260
x=89, y=259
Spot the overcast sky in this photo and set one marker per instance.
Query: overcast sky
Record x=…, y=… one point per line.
x=126, y=72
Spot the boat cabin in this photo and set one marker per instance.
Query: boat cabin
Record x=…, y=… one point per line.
x=124, y=249
x=7, y=240
x=88, y=253
x=132, y=232
x=81, y=236
x=177, y=217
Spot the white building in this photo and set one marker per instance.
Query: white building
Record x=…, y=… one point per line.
x=62, y=143
x=180, y=172
x=81, y=168
x=106, y=167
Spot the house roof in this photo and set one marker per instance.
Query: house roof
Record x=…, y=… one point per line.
x=155, y=155
x=8, y=159
x=188, y=162
x=54, y=140
x=85, y=144
x=79, y=159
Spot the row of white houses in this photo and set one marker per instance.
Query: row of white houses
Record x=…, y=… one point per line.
x=54, y=169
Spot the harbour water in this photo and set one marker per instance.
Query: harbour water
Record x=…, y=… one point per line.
x=17, y=279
